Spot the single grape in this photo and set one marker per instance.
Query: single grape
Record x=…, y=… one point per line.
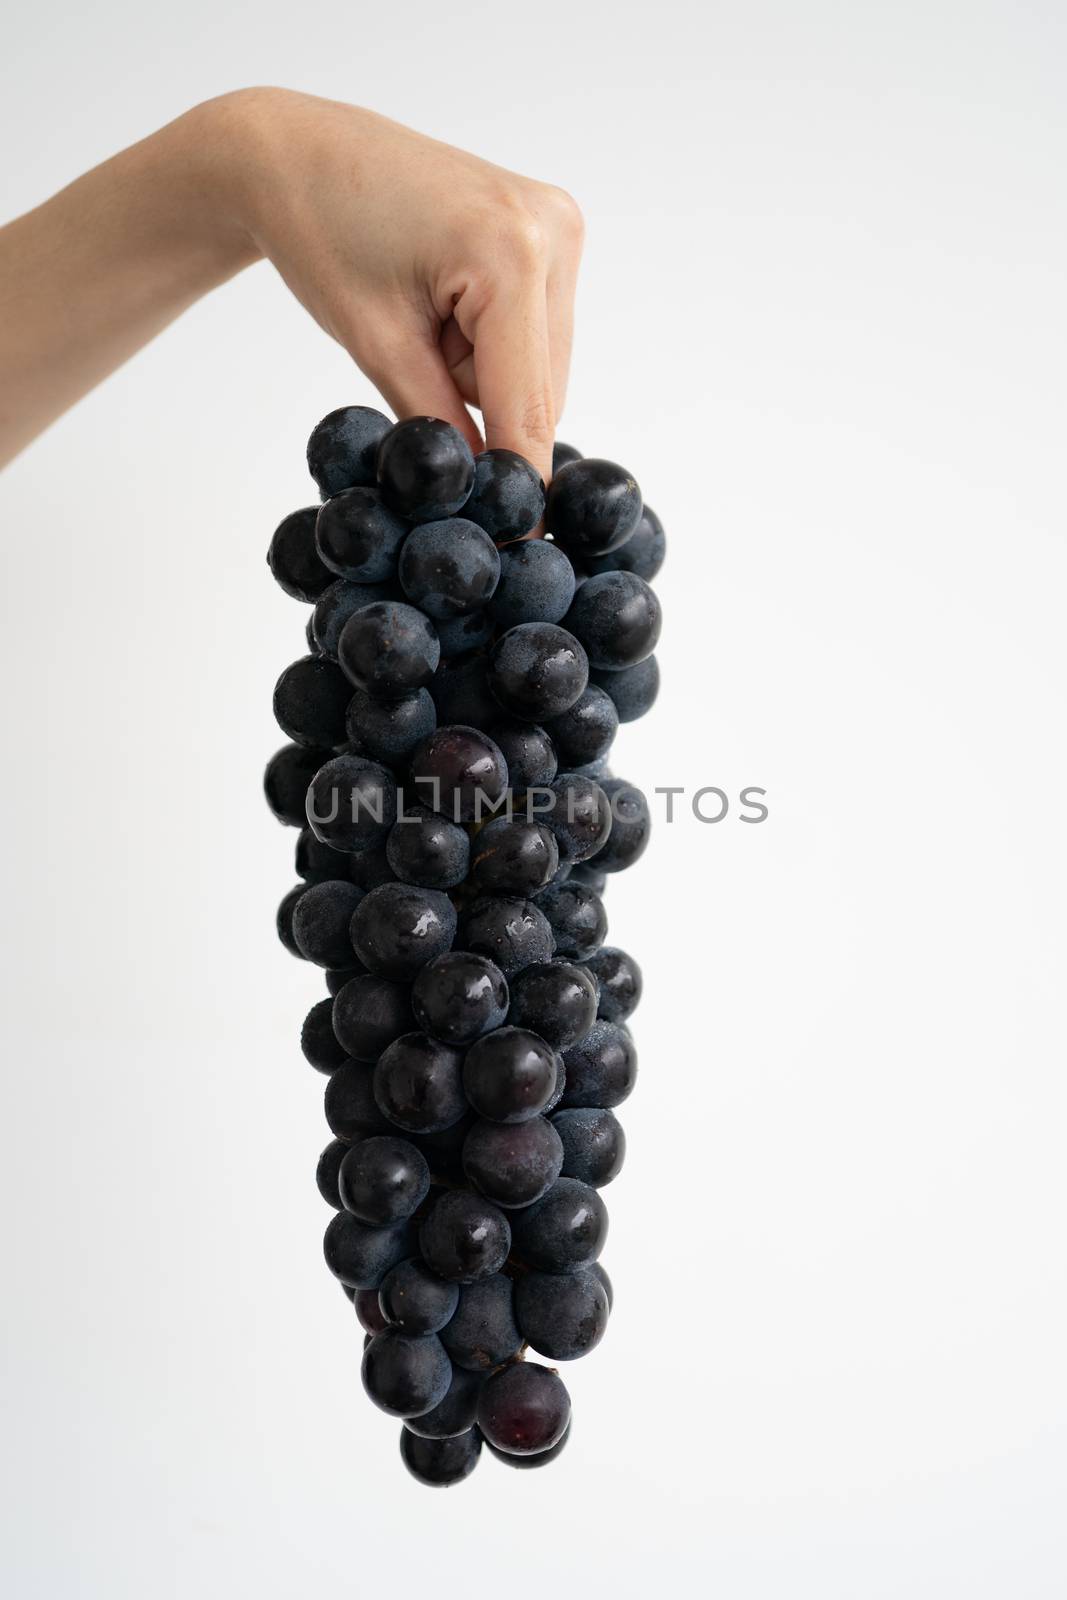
x=513, y=1164
x=601, y=1068
x=537, y=670
x=536, y=584
x=310, y=700
x=577, y=918
x=585, y=732
x=315, y=860
x=456, y=1413
x=563, y=1231
x=580, y=816
x=509, y=1075
x=424, y=848
x=425, y=469
x=617, y=618
x=508, y=497
x=464, y=1238
x=555, y=999
x=369, y=1013
x=343, y=448
x=383, y=1180
x=440, y=1463
x=631, y=826
x=368, y=1311
x=642, y=553
x=318, y=1041
x=388, y=649
x=326, y=1172
x=459, y=996
x=284, y=920
x=294, y=559
x=449, y=568
x=351, y=803
x=562, y=1317
x=321, y=920
x=529, y=753
x=334, y=607
x=388, y=730
x=406, y=1376
x=524, y=1408
x=415, y=1300
x=633, y=690
x=512, y=932
x=285, y=782
x=459, y=771
x=462, y=695
x=513, y=856
x=418, y=1084
x=563, y=454
x=358, y=537
x=483, y=1333
x=592, y=507
x=620, y=982
x=398, y=927
x=541, y=1459
x=351, y=1109
x=594, y=1145
x=360, y=1255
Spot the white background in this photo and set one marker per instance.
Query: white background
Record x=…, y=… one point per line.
x=822, y=318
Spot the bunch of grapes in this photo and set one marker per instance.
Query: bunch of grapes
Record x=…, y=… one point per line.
x=450, y=730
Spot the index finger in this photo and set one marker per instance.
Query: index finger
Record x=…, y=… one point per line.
x=513, y=372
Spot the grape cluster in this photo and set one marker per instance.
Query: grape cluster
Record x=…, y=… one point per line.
x=450, y=728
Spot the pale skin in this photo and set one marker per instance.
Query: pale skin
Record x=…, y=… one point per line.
x=448, y=280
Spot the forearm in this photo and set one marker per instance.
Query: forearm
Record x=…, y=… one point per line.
x=90, y=276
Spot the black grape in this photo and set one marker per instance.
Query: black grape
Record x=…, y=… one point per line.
x=631, y=826
x=511, y=932
x=284, y=920
x=337, y=977
x=370, y=867
x=594, y=1145
x=388, y=730
x=427, y=849
x=343, y=448
x=538, y=670
x=561, y=1316
x=524, y=1409
x=285, y=782
x=508, y=497
x=556, y=999
x=592, y=507
x=316, y=861
x=358, y=537
x=513, y=856
x=632, y=690
x=449, y=568
x=606, y=1281
x=536, y=584
x=509, y=1075
x=406, y=1376
x=351, y=1109
x=368, y=1311
x=440, y=1463
x=617, y=618
x=321, y=919
x=577, y=918
x=398, y=927
x=541, y=1459
x=456, y=1413
x=318, y=1041
x=459, y=771
x=642, y=553
x=351, y=803
x=310, y=700
x=388, y=648
x=562, y=454
x=415, y=1300
x=369, y=1012
x=294, y=559
x=529, y=753
x=464, y=1238
x=459, y=996
x=360, y=1255
x=425, y=469
x=418, y=1084
x=326, y=1172
x=620, y=982
x=483, y=1333
x=579, y=816
x=585, y=732
x=513, y=1164
x=601, y=1068
x=336, y=605
x=458, y=636
x=563, y=1231
x=383, y=1180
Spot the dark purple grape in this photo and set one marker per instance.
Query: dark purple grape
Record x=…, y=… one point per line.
x=388, y=730
x=284, y=920
x=336, y=605
x=388, y=649
x=631, y=826
x=577, y=918
x=294, y=559
x=285, y=782
x=459, y=996
x=369, y=1013
x=464, y=1238
x=418, y=1084
x=316, y=861
x=592, y=507
x=620, y=982
x=562, y=1317
x=512, y=932
x=416, y=1300
x=361, y=1256
x=537, y=670
x=513, y=1164
x=368, y=1311
x=524, y=1409
x=343, y=448
x=406, y=1376
x=351, y=1109
x=563, y=1231
x=509, y=1075
x=513, y=856
x=642, y=553
x=425, y=469
x=601, y=1068
x=358, y=537
x=321, y=919
x=318, y=1041
x=617, y=618
x=580, y=816
x=541, y=1459
x=555, y=999
x=449, y=568
x=529, y=753
x=351, y=803
x=594, y=1145
x=440, y=1463
x=337, y=977
x=536, y=584
x=326, y=1172
x=633, y=690
x=383, y=1180
x=508, y=497
x=427, y=849
x=398, y=927
x=460, y=772
x=456, y=1412
x=483, y=1334
x=585, y=732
